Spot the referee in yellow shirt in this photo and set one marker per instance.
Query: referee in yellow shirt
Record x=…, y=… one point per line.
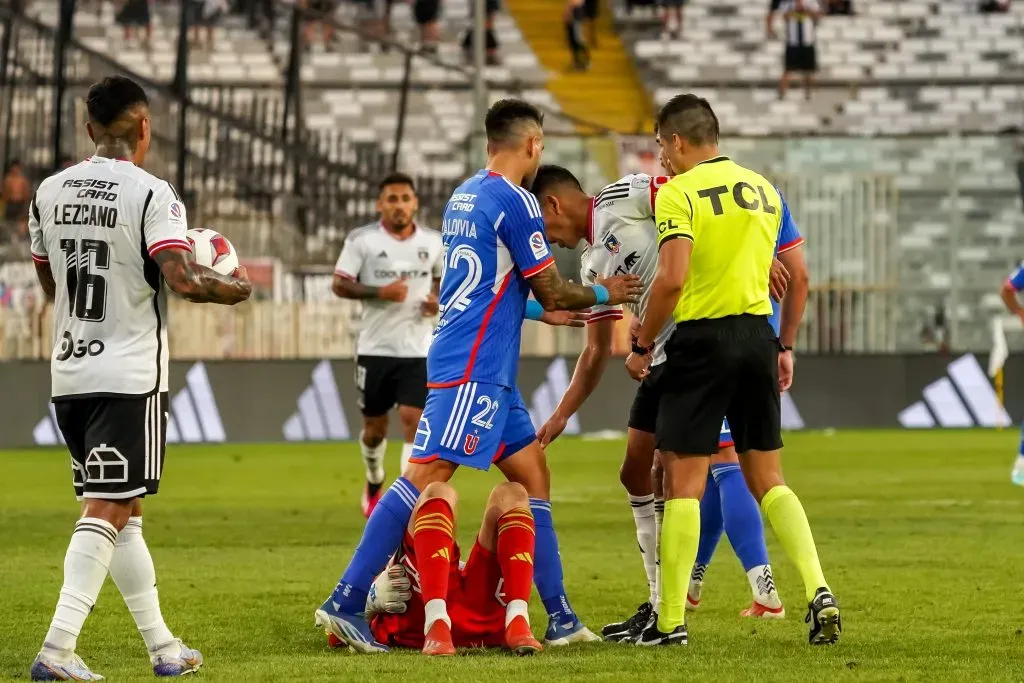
x=717, y=229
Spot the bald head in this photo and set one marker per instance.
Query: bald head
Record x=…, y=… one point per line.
x=690, y=118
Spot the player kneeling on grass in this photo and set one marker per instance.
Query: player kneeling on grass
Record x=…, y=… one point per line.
x=428, y=599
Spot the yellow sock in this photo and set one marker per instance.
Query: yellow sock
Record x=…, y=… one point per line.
x=680, y=533
x=786, y=514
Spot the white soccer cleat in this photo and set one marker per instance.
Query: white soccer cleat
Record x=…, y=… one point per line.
x=1017, y=477
x=567, y=633
x=47, y=669
x=183, y=661
x=390, y=592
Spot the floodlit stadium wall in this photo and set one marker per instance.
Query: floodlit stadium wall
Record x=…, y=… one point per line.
x=315, y=400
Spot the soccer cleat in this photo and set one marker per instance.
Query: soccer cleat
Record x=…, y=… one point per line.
x=759, y=611
x=47, y=669
x=568, y=632
x=519, y=638
x=1017, y=477
x=371, y=496
x=630, y=628
x=652, y=636
x=823, y=616
x=184, y=661
x=438, y=640
x=693, y=595
x=350, y=629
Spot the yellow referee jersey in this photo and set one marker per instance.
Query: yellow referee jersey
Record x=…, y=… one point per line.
x=732, y=215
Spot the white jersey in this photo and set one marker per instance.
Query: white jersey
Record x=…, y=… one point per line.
x=623, y=238
x=99, y=224
x=375, y=257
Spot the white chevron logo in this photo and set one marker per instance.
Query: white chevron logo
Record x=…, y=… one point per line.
x=193, y=416
x=320, y=416
x=964, y=398
x=546, y=397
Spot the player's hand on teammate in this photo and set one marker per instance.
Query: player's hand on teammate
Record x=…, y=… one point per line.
x=565, y=318
x=430, y=306
x=622, y=289
x=778, y=280
x=786, y=362
x=394, y=292
x=638, y=366
x=551, y=429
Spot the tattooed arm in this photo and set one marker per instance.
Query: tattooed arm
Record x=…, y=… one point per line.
x=556, y=294
x=200, y=284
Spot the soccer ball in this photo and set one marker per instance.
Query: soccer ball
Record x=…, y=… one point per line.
x=212, y=249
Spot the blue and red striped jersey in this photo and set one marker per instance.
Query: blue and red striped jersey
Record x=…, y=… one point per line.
x=493, y=234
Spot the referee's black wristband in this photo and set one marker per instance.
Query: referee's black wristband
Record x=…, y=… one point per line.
x=785, y=348
x=642, y=350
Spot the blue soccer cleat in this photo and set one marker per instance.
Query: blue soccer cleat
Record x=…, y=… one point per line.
x=47, y=669
x=567, y=632
x=350, y=629
x=182, y=662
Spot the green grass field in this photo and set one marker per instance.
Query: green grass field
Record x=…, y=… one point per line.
x=921, y=536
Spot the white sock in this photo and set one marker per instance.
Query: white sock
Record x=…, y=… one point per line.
x=85, y=569
x=406, y=454
x=373, y=458
x=659, y=519
x=516, y=608
x=432, y=611
x=646, y=537
x=131, y=568
x=762, y=584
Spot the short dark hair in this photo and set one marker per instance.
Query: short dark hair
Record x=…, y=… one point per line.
x=396, y=178
x=505, y=115
x=549, y=177
x=691, y=118
x=109, y=99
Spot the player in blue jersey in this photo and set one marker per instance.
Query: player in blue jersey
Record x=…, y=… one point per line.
x=1011, y=288
x=495, y=255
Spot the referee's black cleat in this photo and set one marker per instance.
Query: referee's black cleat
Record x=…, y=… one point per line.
x=630, y=628
x=823, y=616
x=653, y=636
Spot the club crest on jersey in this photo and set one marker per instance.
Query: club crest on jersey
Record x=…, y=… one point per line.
x=472, y=441
x=641, y=182
x=539, y=245
x=612, y=244
x=423, y=253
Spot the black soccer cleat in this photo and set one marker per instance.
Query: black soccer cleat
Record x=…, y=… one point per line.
x=823, y=616
x=630, y=628
x=652, y=636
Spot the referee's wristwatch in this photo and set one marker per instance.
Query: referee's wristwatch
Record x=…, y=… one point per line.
x=783, y=348
x=642, y=350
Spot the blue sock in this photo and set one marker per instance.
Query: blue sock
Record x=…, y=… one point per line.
x=547, y=570
x=381, y=538
x=742, y=515
x=710, y=528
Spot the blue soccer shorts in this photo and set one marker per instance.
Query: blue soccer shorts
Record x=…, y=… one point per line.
x=473, y=424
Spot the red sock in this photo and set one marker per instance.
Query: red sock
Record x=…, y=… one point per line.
x=433, y=536
x=516, y=539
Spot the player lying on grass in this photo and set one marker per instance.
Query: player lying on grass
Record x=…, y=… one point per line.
x=428, y=599
x=496, y=254
x=618, y=226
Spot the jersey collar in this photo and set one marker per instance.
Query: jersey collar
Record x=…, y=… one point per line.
x=99, y=158
x=415, y=228
x=590, y=221
x=720, y=157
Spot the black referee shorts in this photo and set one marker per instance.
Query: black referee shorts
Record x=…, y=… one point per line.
x=724, y=368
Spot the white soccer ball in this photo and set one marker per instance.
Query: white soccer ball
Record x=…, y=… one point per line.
x=213, y=250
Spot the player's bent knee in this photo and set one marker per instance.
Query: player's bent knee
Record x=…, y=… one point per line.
x=375, y=429
x=507, y=496
x=116, y=512
x=442, y=490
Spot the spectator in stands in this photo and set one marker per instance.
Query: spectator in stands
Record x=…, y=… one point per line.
x=840, y=7
x=16, y=193
x=672, y=9
x=591, y=8
x=994, y=6
x=490, y=39
x=427, y=14
x=261, y=14
x=133, y=14
x=320, y=13
x=375, y=18
x=205, y=14
x=573, y=21
x=801, y=17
